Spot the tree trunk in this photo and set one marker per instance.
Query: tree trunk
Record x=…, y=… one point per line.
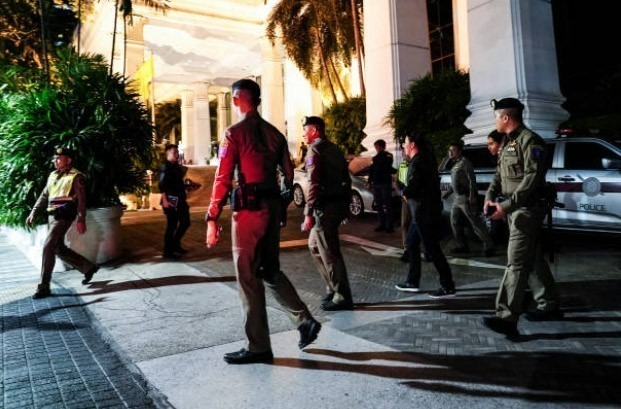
x=46, y=67
x=338, y=79
x=116, y=11
x=324, y=65
x=354, y=14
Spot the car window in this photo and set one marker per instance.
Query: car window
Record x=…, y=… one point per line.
x=480, y=157
x=587, y=155
x=550, y=148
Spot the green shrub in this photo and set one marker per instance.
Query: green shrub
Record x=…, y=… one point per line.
x=435, y=105
x=345, y=124
x=83, y=108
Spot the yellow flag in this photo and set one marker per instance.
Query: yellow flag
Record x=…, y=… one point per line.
x=144, y=76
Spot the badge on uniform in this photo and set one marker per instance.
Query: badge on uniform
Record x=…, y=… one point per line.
x=310, y=161
x=224, y=145
x=537, y=152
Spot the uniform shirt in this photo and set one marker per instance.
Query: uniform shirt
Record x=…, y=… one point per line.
x=423, y=190
x=66, y=185
x=463, y=180
x=521, y=172
x=327, y=173
x=171, y=180
x=381, y=169
x=257, y=149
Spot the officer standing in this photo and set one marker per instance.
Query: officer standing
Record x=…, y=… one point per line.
x=174, y=202
x=64, y=199
x=380, y=179
x=406, y=216
x=327, y=205
x=256, y=152
x=464, y=186
x=520, y=180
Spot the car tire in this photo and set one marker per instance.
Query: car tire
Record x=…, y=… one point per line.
x=356, y=205
x=298, y=196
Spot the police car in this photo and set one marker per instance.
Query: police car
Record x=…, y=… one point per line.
x=586, y=171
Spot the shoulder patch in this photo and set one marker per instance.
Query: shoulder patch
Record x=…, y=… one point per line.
x=224, y=146
x=537, y=152
x=309, y=161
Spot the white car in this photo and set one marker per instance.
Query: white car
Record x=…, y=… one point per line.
x=361, y=196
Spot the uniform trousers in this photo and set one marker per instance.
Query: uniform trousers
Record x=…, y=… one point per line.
x=256, y=243
x=55, y=246
x=324, y=246
x=463, y=210
x=429, y=235
x=177, y=223
x=382, y=194
x=526, y=266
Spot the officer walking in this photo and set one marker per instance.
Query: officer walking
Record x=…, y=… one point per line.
x=256, y=152
x=327, y=205
x=174, y=202
x=380, y=179
x=464, y=186
x=520, y=180
x=64, y=199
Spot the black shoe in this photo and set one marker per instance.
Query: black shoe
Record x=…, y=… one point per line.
x=170, y=256
x=460, y=250
x=332, y=306
x=442, y=293
x=246, y=357
x=327, y=297
x=88, y=276
x=308, y=332
x=490, y=252
x=407, y=287
x=501, y=326
x=180, y=250
x=41, y=293
x=544, y=315
x=405, y=257
x=380, y=228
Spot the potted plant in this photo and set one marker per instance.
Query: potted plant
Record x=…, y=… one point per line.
x=96, y=114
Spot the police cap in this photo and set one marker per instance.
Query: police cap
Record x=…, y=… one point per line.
x=61, y=150
x=314, y=120
x=507, y=103
x=250, y=86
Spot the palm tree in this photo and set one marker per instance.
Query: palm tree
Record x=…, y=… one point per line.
x=318, y=36
x=20, y=33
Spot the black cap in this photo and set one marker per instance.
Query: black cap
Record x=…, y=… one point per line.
x=250, y=86
x=506, y=103
x=314, y=120
x=63, y=151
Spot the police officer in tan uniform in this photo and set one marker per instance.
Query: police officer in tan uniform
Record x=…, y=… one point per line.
x=464, y=188
x=64, y=200
x=520, y=182
x=327, y=205
x=256, y=154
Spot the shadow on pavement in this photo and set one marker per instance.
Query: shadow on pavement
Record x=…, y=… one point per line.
x=532, y=376
x=103, y=287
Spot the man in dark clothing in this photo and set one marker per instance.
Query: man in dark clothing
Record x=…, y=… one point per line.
x=380, y=180
x=173, y=202
x=423, y=194
x=257, y=152
x=327, y=205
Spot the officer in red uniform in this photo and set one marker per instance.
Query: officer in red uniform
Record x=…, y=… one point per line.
x=256, y=153
x=64, y=199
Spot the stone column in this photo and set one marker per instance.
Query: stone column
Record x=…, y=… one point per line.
x=223, y=113
x=272, y=89
x=135, y=46
x=513, y=54
x=202, y=133
x=188, y=124
x=396, y=42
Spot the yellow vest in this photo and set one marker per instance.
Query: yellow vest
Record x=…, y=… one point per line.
x=59, y=188
x=402, y=174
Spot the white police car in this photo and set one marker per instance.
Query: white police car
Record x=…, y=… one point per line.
x=586, y=171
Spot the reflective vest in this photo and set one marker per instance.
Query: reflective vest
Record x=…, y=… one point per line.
x=60, y=188
x=403, y=173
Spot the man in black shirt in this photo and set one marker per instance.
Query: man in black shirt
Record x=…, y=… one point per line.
x=173, y=202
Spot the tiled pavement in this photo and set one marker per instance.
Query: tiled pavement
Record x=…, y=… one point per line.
x=53, y=355
x=427, y=353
